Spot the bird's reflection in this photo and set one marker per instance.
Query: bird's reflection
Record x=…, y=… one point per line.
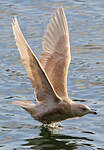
x=47, y=140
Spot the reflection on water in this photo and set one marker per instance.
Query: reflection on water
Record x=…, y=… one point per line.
x=85, y=80
x=48, y=140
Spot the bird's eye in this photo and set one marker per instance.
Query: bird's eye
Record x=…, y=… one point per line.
x=84, y=109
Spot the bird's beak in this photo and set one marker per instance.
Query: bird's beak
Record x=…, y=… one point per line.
x=93, y=112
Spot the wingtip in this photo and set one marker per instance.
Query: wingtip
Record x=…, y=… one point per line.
x=14, y=21
x=60, y=9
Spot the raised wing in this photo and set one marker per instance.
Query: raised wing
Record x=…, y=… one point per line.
x=40, y=82
x=55, y=58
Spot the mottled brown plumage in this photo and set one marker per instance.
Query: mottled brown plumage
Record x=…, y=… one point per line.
x=49, y=75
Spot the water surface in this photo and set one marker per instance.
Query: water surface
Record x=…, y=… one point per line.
x=85, y=80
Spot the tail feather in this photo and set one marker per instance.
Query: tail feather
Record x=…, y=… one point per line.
x=27, y=105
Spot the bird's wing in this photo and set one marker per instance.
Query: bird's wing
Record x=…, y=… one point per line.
x=40, y=82
x=56, y=56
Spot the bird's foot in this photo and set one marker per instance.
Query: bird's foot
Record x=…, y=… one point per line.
x=52, y=125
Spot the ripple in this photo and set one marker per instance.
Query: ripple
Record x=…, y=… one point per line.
x=85, y=81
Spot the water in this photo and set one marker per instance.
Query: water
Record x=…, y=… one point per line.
x=18, y=130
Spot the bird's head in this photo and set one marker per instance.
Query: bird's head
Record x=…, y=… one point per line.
x=79, y=110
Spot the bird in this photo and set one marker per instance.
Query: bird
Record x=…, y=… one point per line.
x=48, y=74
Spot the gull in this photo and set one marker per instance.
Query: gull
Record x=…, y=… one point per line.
x=48, y=74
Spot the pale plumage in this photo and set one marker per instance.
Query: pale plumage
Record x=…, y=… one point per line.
x=57, y=52
x=49, y=75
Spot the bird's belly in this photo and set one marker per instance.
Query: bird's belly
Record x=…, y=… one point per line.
x=53, y=116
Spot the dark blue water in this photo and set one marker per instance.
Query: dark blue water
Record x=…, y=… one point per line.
x=18, y=131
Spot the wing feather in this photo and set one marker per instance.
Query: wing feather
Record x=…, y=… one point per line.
x=40, y=82
x=55, y=57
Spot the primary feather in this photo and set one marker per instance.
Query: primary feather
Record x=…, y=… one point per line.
x=56, y=56
x=36, y=74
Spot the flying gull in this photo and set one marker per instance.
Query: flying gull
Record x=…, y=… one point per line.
x=48, y=75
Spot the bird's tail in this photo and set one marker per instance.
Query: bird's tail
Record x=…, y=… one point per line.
x=25, y=104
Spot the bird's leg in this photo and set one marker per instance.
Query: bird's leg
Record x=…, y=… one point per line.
x=52, y=125
x=45, y=125
x=58, y=124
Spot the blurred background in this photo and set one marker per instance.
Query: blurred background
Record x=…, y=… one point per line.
x=18, y=131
